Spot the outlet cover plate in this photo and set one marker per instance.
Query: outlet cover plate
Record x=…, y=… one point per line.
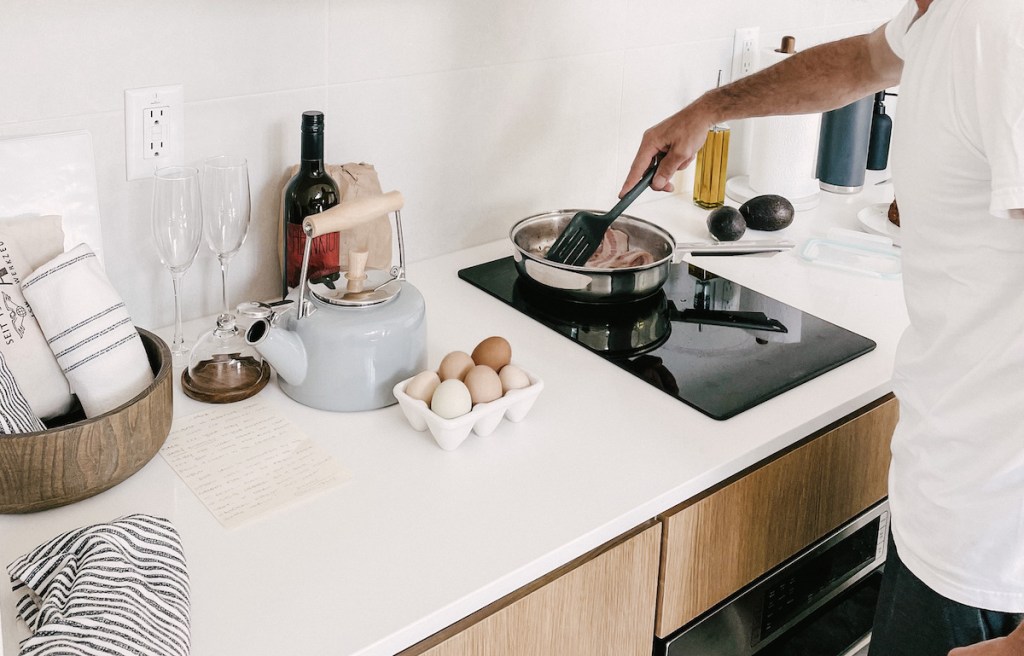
x=744, y=51
x=141, y=161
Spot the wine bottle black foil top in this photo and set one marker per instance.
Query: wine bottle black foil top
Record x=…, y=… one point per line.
x=313, y=138
x=312, y=121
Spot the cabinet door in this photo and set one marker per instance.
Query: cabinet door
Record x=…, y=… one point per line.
x=602, y=606
x=724, y=540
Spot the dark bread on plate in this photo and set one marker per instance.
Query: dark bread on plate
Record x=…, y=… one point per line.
x=894, y=213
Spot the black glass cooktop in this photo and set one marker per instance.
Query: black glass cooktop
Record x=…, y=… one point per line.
x=713, y=344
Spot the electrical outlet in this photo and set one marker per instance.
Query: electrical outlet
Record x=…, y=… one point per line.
x=154, y=129
x=744, y=51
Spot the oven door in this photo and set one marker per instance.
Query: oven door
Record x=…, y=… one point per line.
x=821, y=602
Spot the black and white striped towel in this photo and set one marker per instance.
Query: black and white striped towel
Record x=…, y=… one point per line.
x=114, y=589
x=16, y=414
x=88, y=328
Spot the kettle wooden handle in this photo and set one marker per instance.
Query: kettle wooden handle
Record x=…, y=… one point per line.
x=349, y=214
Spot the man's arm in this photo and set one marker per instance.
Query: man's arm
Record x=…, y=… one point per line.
x=815, y=80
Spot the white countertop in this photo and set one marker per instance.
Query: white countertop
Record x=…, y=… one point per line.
x=421, y=537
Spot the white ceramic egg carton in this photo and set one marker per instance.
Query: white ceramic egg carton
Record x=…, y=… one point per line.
x=482, y=419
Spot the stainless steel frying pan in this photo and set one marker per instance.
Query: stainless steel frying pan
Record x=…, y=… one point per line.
x=531, y=237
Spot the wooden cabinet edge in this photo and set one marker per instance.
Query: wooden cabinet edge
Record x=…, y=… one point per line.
x=863, y=410
x=508, y=600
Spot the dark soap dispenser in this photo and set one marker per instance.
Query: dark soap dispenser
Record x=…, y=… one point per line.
x=881, y=133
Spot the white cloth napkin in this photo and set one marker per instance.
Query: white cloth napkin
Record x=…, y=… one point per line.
x=22, y=343
x=89, y=330
x=119, y=588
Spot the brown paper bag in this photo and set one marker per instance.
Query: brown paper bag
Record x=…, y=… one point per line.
x=354, y=180
x=358, y=181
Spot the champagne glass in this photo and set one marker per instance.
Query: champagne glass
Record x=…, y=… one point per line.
x=177, y=230
x=222, y=367
x=226, y=208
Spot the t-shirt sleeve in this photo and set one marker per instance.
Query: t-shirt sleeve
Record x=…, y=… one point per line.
x=896, y=29
x=996, y=55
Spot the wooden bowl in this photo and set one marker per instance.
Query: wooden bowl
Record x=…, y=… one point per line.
x=76, y=460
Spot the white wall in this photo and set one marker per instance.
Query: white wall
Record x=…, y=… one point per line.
x=480, y=111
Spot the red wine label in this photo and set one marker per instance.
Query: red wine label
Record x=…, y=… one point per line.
x=323, y=256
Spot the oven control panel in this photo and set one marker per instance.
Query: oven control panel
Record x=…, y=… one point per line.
x=772, y=611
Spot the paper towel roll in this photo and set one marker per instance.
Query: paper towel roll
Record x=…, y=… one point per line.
x=784, y=149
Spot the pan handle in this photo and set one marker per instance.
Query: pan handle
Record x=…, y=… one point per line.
x=732, y=247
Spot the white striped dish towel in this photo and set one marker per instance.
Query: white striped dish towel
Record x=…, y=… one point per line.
x=88, y=328
x=16, y=414
x=115, y=589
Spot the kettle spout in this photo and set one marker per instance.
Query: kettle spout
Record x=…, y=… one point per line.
x=281, y=348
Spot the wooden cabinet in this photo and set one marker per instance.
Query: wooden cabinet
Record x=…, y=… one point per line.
x=723, y=540
x=600, y=604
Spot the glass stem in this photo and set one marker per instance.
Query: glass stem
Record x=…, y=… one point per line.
x=178, y=343
x=224, y=283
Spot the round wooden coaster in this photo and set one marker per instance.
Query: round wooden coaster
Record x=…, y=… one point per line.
x=224, y=379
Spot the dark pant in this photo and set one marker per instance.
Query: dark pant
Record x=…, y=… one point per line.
x=912, y=620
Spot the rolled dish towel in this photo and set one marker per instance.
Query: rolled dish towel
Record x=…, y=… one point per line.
x=22, y=342
x=88, y=328
x=118, y=588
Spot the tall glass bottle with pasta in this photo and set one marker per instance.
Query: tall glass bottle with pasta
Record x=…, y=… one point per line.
x=710, y=168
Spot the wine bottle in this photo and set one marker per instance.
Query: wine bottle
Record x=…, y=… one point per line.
x=310, y=191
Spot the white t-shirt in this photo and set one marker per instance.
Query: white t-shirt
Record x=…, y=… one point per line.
x=957, y=479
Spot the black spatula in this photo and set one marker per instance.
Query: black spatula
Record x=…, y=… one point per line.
x=584, y=232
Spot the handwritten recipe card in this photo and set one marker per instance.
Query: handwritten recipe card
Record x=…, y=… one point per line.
x=244, y=461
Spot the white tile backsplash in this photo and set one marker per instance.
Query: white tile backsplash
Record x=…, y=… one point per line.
x=475, y=149
x=409, y=37
x=480, y=112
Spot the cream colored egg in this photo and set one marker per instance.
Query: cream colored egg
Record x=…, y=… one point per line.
x=455, y=365
x=512, y=377
x=483, y=383
x=451, y=399
x=495, y=352
x=422, y=386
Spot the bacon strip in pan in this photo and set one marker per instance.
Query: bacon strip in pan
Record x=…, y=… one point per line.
x=615, y=253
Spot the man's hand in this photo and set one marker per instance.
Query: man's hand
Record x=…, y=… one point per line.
x=679, y=136
x=1011, y=645
x=818, y=79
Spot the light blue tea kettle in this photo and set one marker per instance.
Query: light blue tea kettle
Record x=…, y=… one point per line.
x=342, y=341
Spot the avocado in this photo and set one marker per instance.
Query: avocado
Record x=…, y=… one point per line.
x=767, y=212
x=726, y=223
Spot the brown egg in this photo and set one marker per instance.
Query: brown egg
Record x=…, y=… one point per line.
x=422, y=386
x=512, y=377
x=495, y=352
x=483, y=383
x=455, y=365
